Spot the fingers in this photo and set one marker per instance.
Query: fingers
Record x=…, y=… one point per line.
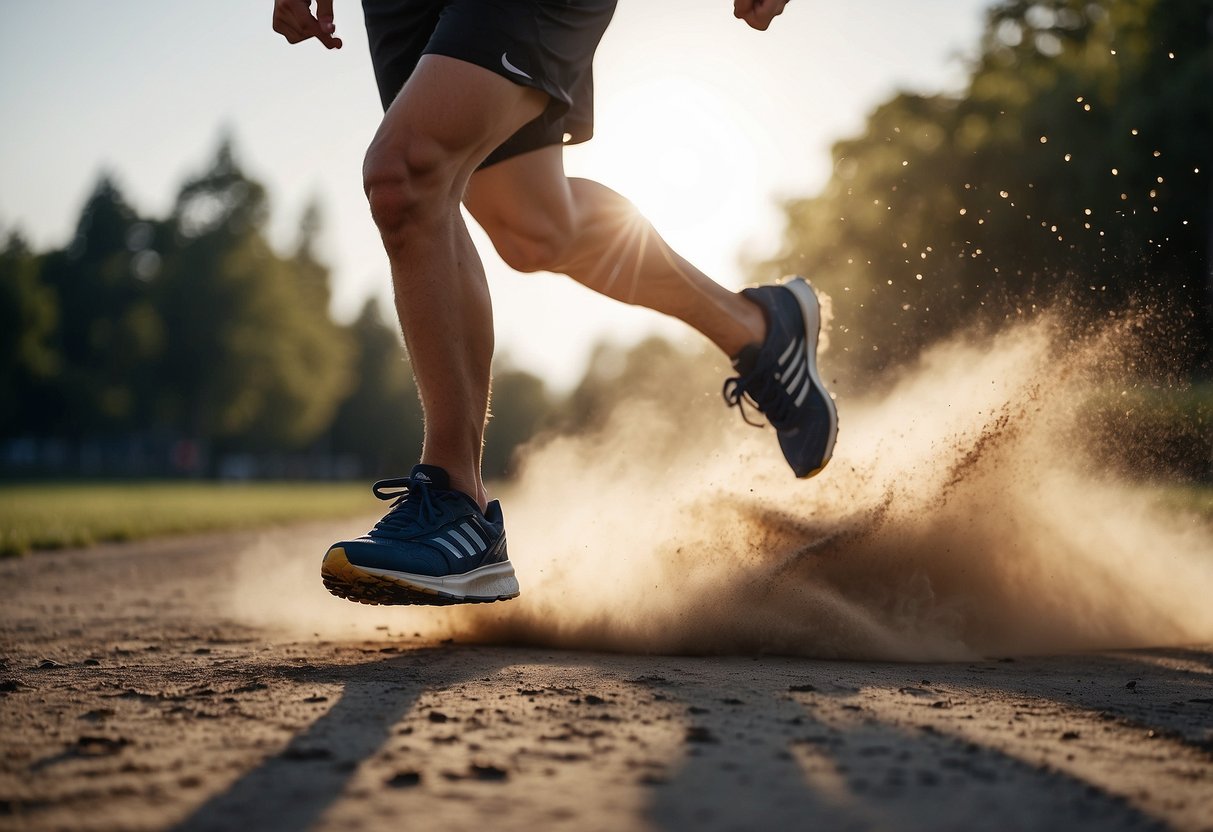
x=758, y=13
x=294, y=21
x=328, y=28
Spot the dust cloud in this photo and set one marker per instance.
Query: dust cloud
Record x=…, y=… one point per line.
x=962, y=517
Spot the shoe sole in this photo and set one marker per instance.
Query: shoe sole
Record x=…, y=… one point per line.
x=810, y=310
x=363, y=585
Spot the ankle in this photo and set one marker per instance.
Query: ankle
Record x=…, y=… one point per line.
x=750, y=329
x=464, y=479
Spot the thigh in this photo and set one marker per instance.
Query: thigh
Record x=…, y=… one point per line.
x=451, y=112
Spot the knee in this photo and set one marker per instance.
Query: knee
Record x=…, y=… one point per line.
x=407, y=181
x=540, y=244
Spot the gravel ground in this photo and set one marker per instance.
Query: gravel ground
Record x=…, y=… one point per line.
x=131, y=697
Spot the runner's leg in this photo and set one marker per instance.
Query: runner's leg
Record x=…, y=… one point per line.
x=541, y=220
x=448, y=117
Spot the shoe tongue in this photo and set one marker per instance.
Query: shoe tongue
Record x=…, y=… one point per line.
x=433, y=475
x=746, y=359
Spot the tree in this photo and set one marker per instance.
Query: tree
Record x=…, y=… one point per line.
x=380, y=420
x=110, y=333
x=28, y=318
x=253, y=359
x=1073, y=168
x=521, y=406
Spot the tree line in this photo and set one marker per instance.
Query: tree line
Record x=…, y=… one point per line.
x=1072, y=171
x=185, y=343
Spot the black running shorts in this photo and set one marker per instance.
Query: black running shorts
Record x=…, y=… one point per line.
x=545, y=44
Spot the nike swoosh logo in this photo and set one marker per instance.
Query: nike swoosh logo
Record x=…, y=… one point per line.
x=505, y=62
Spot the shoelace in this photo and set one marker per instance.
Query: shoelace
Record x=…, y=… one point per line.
x=414, y=504
x=763, y=392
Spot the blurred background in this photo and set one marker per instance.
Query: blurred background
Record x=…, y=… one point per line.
x=193, y=289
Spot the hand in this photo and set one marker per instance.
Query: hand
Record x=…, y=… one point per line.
x=758, y=13
x=294, y=21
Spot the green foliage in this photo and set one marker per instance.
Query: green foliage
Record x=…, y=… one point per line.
x=28, y=317
x=192, y=329
x=1075, y=168
x=525, y=405
x=380, y=421
x=253, y=359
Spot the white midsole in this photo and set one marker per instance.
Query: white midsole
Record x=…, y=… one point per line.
x=811, y=310
x=493, y=580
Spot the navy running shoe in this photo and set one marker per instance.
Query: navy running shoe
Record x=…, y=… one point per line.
x=780, y=378
x=434, y=546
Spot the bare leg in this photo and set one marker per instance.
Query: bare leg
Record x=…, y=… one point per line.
x=540, y=220
x=448, y=117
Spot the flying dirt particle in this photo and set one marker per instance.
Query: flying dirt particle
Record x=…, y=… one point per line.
x=801, y=688
x=403, y=780
x=1131, y=685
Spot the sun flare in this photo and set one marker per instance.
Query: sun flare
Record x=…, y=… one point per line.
x=681, y=152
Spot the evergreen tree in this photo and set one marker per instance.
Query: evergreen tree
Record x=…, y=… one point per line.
x=380, y=421
x=254, y=361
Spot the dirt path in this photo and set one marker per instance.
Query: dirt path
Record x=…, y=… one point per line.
x=131, y=699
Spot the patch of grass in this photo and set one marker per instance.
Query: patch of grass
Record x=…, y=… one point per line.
x=58, y=515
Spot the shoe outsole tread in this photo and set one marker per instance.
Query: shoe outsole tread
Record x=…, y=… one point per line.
x=344, y=580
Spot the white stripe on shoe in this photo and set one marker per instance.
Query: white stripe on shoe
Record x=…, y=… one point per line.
x=796, y=344
x=471, y=532
x=447, y=546
x=462, y=541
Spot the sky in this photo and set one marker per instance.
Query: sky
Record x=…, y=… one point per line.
x=703, y=122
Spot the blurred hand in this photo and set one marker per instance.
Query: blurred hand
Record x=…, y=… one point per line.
x=294, y=21
x=758, y=13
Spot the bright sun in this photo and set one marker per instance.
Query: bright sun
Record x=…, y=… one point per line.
x=683, y=154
